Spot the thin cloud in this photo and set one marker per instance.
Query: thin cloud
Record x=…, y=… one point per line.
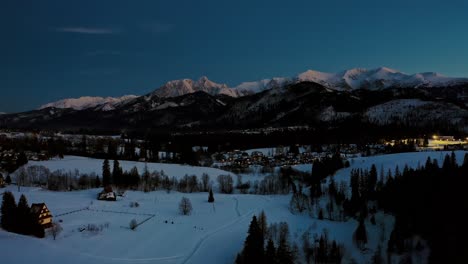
x=88, y=30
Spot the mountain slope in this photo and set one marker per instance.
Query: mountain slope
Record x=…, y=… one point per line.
x=85, y=102
x=300, y=104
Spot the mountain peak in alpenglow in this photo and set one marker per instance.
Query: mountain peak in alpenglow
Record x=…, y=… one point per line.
x=85, y=102
x=185, y=86
x=378, y=78
x=351, y=79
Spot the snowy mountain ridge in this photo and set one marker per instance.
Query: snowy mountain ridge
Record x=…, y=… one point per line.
x=379, y=78
x=352, y=79
x=85, y=102
x=185, y=86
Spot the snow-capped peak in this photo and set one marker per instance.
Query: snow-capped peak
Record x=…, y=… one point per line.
x=86, y=102
x=356, y=78
x=186, y=86
x=379, y=78
x=246, y=88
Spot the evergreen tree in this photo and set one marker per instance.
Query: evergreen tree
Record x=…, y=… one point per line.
x=447, y=165
x=453, y=160
x=106, y=174
x=464, y=167
x=24, y=216
x=270, y=253
x=360, y=235
x=146, y=179
x=97, y=182
x=134, y=177
x=211, y=197
x=335, y=254
x=465, y=161
x=372, y=178
x=263, y=224
x=253, y=246
x=117, y=173
x=239, y=259
x=8, y=179
x=284, y=253
x=8, y=210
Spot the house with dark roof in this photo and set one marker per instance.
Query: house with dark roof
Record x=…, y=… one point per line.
x=41, y=214
x=107, y=194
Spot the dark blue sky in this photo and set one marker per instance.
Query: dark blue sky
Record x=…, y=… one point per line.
x=51, y=50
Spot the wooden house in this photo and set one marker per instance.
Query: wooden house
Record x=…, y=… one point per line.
x=107, y=194
x=41, y=214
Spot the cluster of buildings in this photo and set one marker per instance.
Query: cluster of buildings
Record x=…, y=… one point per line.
x=277, y=157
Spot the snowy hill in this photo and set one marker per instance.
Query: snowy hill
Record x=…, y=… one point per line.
x=416, y=111
x=85, y=102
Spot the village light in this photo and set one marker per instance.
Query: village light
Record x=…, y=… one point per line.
x=435, y=137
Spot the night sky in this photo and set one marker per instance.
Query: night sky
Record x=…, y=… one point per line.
x=51, y=50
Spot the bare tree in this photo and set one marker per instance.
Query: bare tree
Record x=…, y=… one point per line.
x=205, y=181
x=56, y=229
x=185, y=206
x=299, y=203
x=225, y=183
x=21, y=177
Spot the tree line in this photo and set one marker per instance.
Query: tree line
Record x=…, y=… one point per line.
x=428, y=201
x=271, y=244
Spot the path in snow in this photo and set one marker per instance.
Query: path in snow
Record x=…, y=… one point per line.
x=239, y=219
x=133, y=260
x=237, y=206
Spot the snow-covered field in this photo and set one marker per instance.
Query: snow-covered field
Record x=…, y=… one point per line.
x=211, y=234
x=90, y=165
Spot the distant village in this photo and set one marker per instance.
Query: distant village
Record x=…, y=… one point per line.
x=16, y=148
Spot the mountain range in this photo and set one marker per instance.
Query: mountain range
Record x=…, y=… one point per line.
x=353, y=79
x=377, y=97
